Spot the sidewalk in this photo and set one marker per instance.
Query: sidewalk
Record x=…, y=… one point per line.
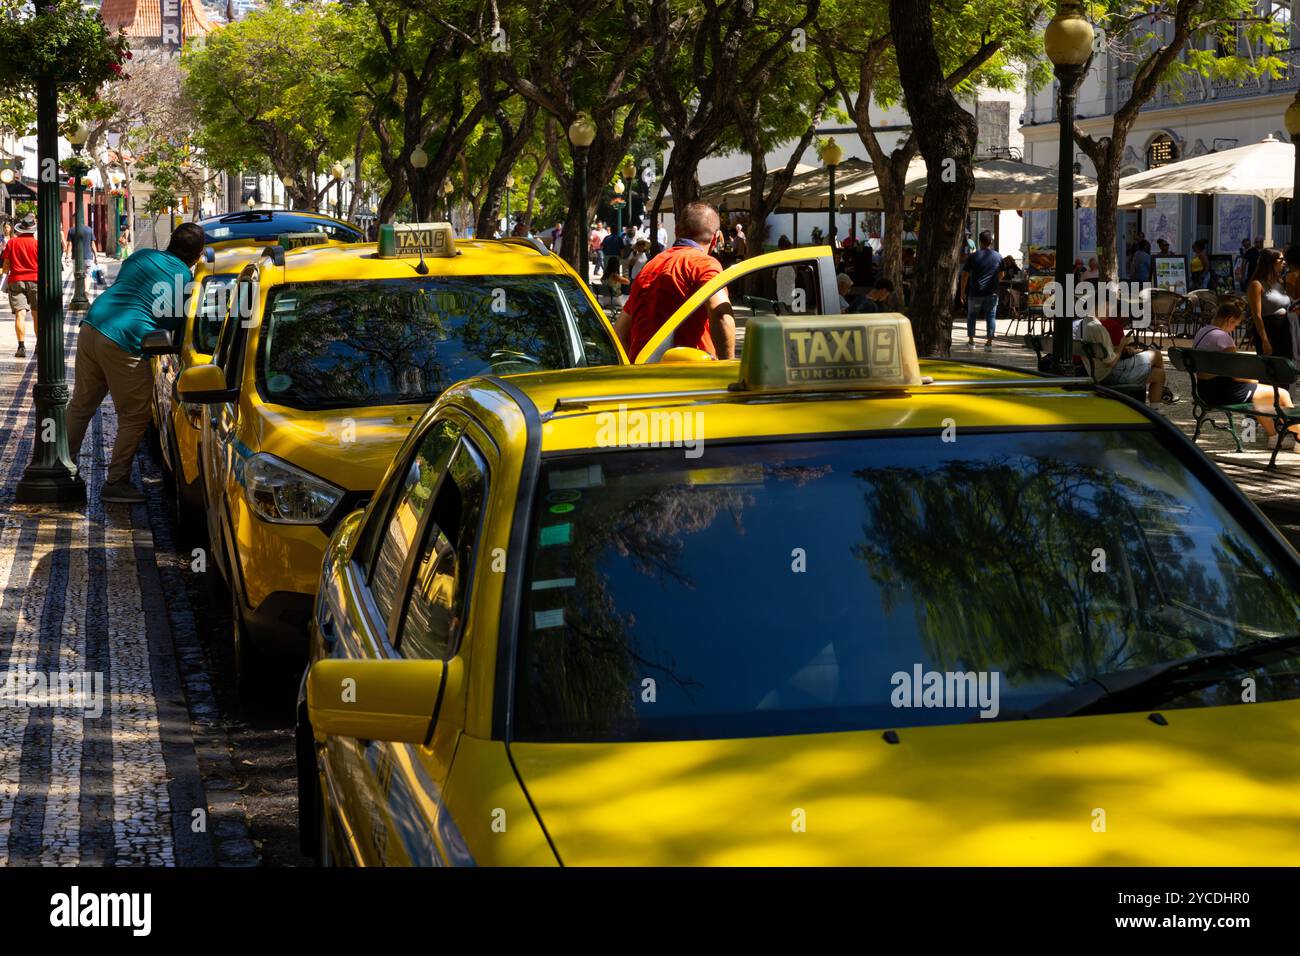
x=82, y=592
x=1277, y=492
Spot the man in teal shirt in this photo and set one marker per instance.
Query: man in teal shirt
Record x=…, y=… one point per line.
x=149, y=294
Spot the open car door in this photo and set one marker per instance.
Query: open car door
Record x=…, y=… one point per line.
x=800, y=282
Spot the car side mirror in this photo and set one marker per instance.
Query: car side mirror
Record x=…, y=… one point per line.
x=391, y=700
x=681, y=353
x=205, y=385
x=159, y=342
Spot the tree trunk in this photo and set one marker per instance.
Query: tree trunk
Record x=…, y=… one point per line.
x=946, y=135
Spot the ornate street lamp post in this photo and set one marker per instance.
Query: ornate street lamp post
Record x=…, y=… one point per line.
x=1068, y=41
x=51, y=478
x=80, y=301
x=447, y=190
x=629, y=173
x=1292, y=120
x=832, y=156
x=618, y=204
x=419, y=160
x=337, y=172
x=510, y=185
x=582, y=133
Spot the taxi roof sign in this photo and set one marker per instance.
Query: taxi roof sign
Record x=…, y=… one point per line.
x=293, y=240
x=828, y=352
x=399, y=240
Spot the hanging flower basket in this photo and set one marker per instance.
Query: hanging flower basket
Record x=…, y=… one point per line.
x=62, y=41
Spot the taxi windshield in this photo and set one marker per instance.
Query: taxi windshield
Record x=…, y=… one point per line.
x=385, y=342
x=883, y=582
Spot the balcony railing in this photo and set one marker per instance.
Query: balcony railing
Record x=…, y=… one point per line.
x=1199, y=89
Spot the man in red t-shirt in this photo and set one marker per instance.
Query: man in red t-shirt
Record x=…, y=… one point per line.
x=19, y=265
x=669, y=279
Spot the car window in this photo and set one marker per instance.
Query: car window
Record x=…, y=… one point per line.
x=777, y=290
x=343, y=344
x=434, y=617
x=403, y=519
x=814, y=586
x=230, y=341
x=597, y=346
x=214, y=302
x=269, y=225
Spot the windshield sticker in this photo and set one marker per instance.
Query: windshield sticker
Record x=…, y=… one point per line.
x=556, y=534
x=553, y=583
x=589, y=477
x=547, y=619
x=562, y=496
x=279, y=383
x=561, y=509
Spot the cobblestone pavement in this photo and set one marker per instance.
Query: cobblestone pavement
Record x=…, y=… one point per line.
x=101, y=590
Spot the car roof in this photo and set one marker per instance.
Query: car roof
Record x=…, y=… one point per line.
x=266, y=224
x=570, y=403
x=475, y=257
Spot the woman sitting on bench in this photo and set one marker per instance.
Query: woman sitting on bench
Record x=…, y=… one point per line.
x=1222, y=390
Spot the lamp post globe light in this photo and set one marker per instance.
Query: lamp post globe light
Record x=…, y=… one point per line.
x=1068, y=41
x=77, y=138
x=582, y=133
x=618, y=205
x=419, y=160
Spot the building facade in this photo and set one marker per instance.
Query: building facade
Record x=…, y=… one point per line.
x=1197, y=116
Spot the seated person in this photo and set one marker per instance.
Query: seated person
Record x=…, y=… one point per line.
x=879, y=299
x=1222, y=390
x=849, y=303
x=1122, y=363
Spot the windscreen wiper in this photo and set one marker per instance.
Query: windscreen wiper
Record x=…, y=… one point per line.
x=1121, y=689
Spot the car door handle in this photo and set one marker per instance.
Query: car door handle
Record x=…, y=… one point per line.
x=328, y=632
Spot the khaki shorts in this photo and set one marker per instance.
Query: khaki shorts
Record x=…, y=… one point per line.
x=22, y=295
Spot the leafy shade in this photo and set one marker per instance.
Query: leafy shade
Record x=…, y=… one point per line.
x=62, y=41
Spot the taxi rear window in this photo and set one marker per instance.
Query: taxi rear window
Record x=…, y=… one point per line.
x=816, y=586
x=268, y=226
x=393, y=341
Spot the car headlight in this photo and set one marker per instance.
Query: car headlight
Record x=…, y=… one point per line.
x=279, y=492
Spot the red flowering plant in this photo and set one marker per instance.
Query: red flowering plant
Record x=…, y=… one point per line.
x=59, y=40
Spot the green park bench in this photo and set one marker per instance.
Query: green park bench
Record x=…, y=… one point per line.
x=1088, y=354
x=1265, y=369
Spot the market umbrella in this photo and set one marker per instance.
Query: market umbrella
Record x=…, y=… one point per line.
x=733, y=192
x=1264, y=170
x=999, y=184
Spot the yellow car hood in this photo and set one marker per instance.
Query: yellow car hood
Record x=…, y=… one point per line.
x=351, y=447
x=1216, y=786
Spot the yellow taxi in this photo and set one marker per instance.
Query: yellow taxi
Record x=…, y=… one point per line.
x=824, y=605
x=178, y=425
x=328, y=358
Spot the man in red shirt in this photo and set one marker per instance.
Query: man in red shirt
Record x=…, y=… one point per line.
x=19, y=265
x=669, y=279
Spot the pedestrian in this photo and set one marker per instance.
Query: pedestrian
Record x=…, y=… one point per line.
x=669, y=279
x=611, y=252
x=124, y=242
x=8, y=233
x=1163, y=245
x=640, y=256
x=1140, y=267
x=89, y=250
x=1251, y=259
x=19, y=265
x=979, y=289
x=1200, y=264
x=1268, y=302
x=110, y=353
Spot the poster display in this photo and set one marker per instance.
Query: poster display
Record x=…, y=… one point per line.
x=1171, y=274
x=1235, y=218
x=1221, y=280
x=1162, y=221
x=1087, y=231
